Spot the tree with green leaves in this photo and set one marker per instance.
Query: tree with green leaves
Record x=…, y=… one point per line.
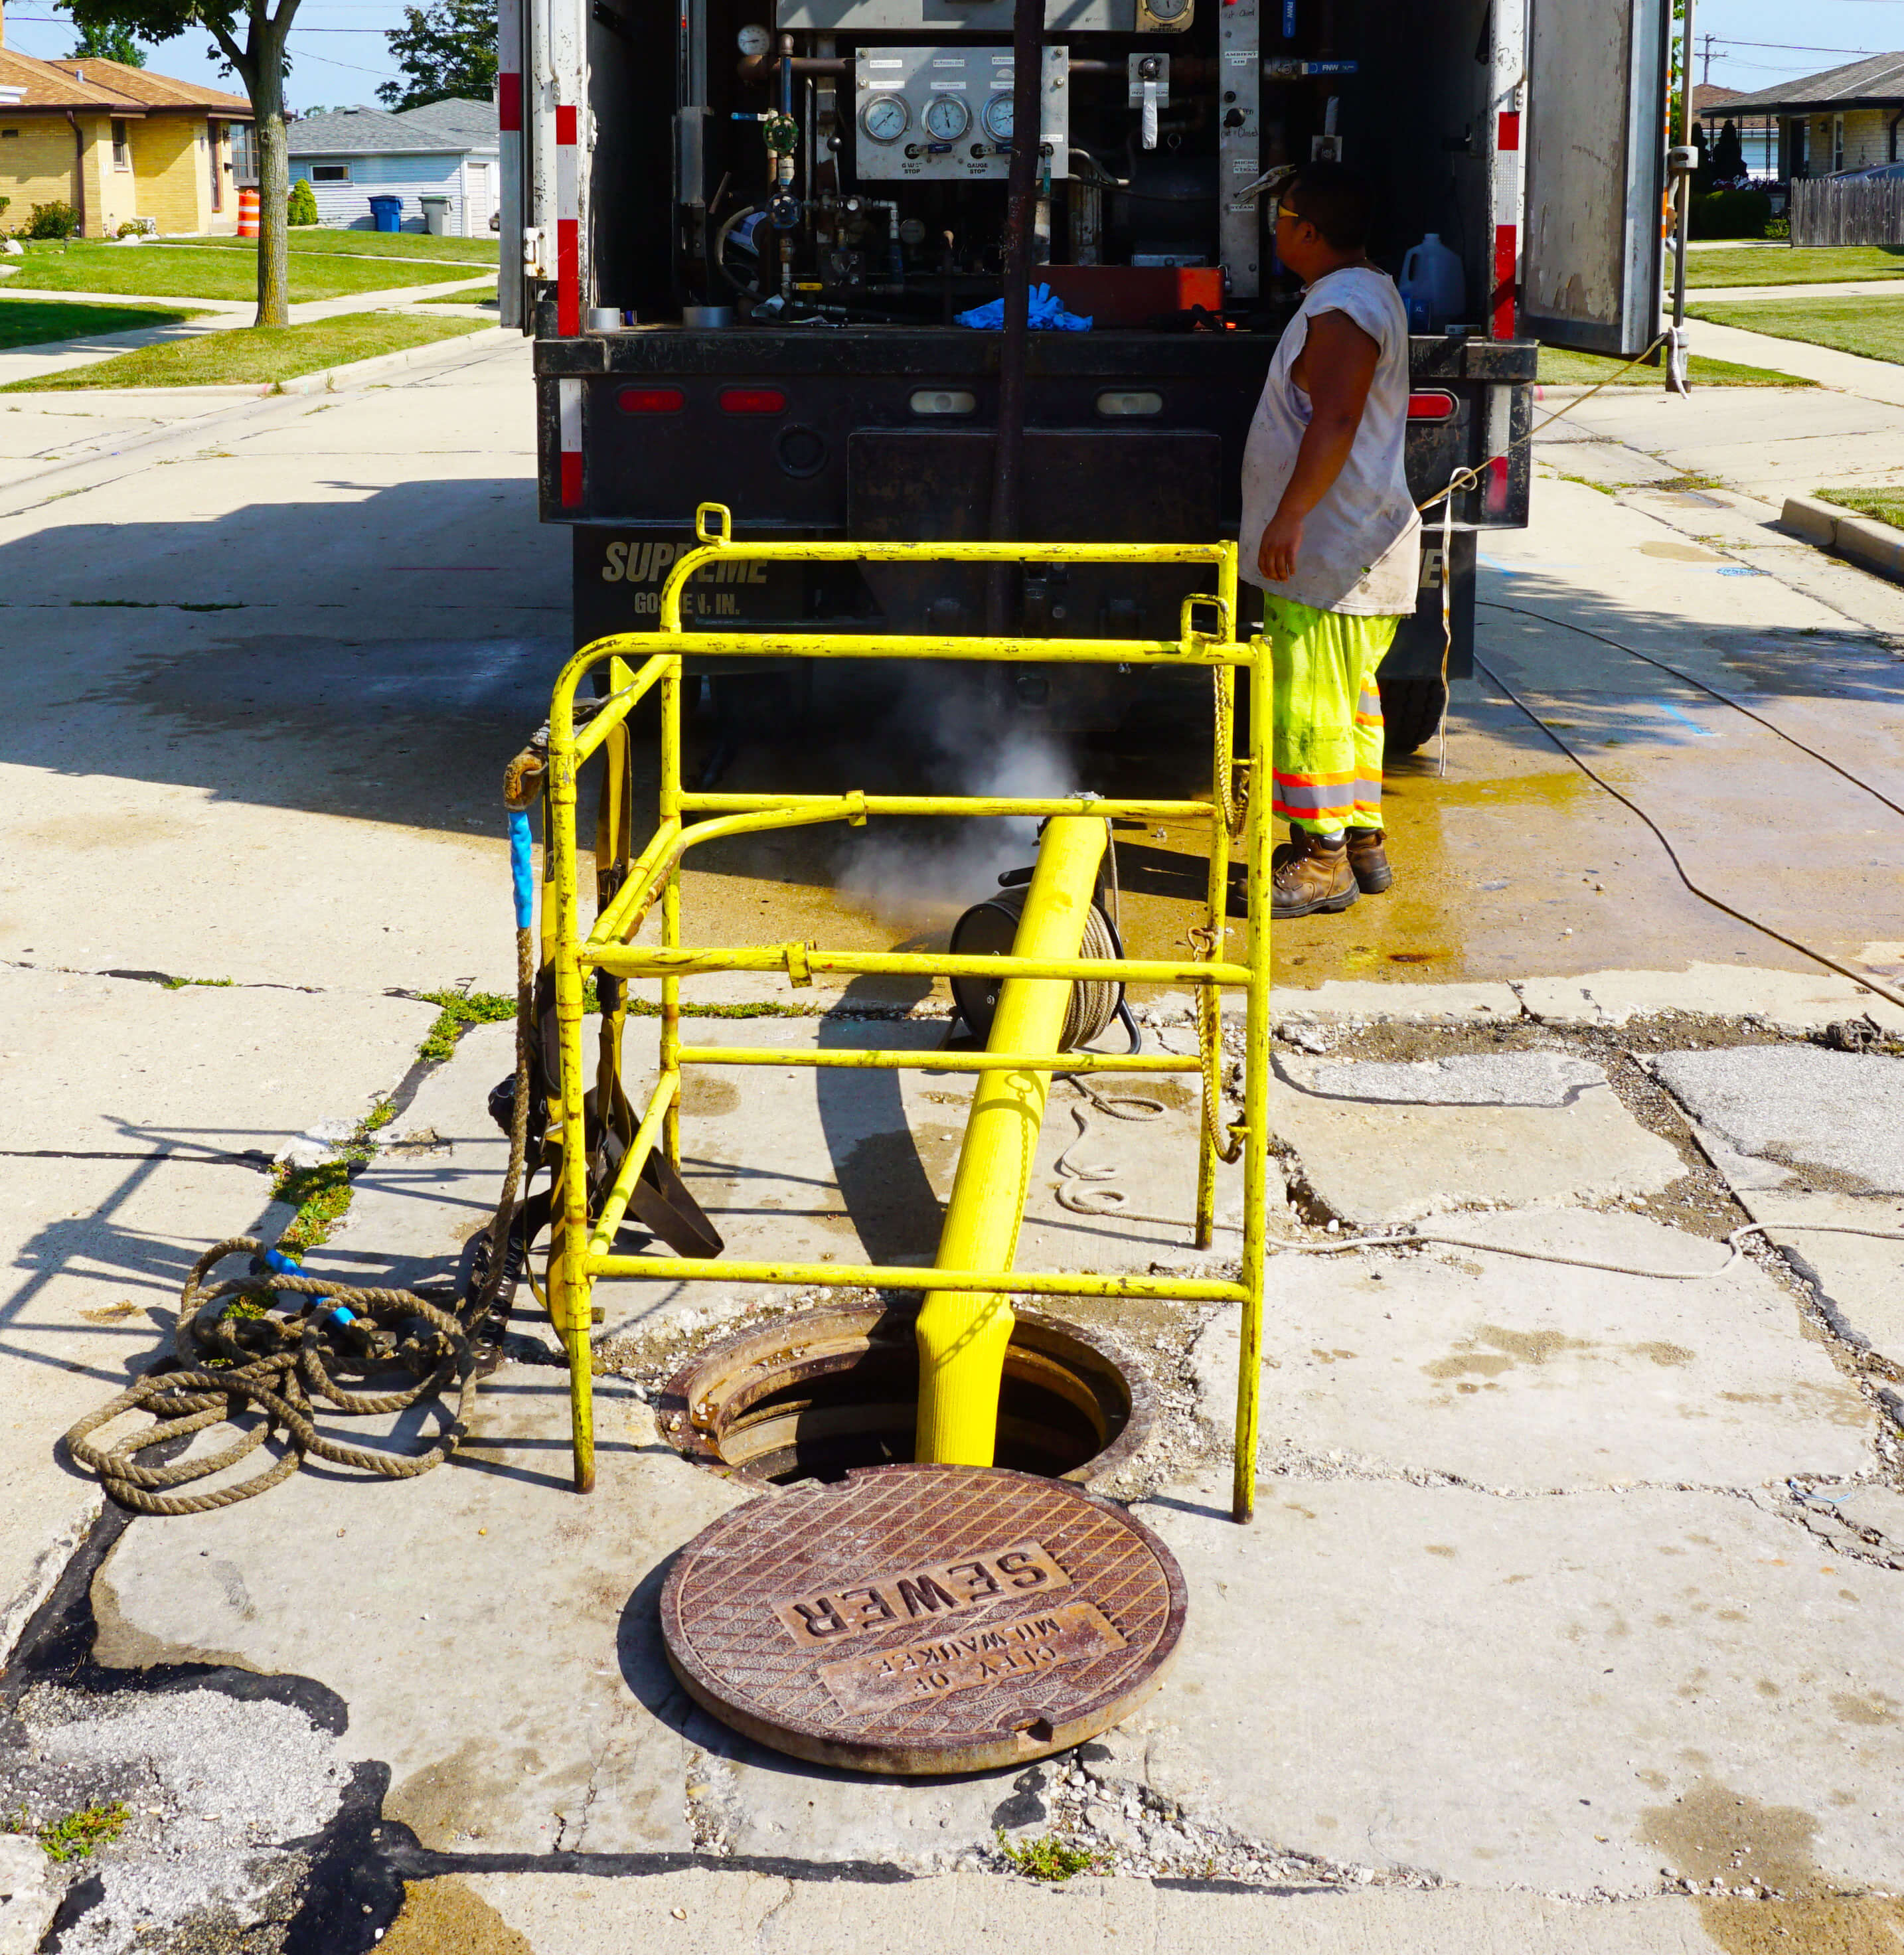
x=113, y=43
x=447, y=48
x=251, y=36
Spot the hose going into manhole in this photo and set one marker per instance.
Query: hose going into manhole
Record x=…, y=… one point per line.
x=962, y=1336
x=237, y=1348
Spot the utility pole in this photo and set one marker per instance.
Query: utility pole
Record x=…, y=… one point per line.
x=1705, y=72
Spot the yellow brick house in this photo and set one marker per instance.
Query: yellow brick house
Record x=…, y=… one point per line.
x=119, y=143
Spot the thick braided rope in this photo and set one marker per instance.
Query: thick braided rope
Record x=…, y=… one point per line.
x=278, y=1366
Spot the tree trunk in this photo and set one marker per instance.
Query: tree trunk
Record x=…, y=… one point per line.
x=274, y=176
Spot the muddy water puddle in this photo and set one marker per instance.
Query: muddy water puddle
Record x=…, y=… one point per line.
x=1512, y=864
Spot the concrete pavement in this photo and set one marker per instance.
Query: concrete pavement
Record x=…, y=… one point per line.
x=1572, y=1588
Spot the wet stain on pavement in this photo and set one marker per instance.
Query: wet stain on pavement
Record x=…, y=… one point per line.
x=448, y=1917
x=1713, y=1835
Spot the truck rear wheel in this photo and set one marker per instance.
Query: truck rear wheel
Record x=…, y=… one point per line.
x=1412, y=709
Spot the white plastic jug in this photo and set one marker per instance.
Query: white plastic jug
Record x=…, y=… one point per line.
x=1431, y=285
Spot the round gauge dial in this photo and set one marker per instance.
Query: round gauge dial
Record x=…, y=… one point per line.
x=755, y=40
x=998, y=118
x=885, y=118
x=947, y=119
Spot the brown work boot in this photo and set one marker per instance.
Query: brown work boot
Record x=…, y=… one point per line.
x=1368, y=860
x=1307, y=874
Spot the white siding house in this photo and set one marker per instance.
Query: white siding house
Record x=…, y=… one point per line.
x=446, y=149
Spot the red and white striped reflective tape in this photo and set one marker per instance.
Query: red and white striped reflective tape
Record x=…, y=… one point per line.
x=568, y=408
x=1507, y=227
x=508, y=56
x=568, y=229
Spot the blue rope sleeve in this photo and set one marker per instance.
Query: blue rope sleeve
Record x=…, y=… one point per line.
x=522, y=867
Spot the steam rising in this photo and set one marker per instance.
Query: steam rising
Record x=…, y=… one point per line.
x=908, y=874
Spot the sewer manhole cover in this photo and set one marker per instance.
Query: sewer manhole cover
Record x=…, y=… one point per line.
x=918, y=1620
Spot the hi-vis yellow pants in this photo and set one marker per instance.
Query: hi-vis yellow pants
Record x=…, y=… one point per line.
x=1328, y=737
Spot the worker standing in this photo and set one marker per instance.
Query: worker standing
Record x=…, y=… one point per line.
x=1330, y=533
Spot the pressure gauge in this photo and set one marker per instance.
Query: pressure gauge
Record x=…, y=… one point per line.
x=997, y=118
x=755, y=41
x=885, y=118
x=912, y=232
x=947, y=119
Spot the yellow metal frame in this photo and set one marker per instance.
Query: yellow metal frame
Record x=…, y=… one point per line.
x=582, y=1245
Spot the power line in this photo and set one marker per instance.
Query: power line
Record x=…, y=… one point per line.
x=1793, y=47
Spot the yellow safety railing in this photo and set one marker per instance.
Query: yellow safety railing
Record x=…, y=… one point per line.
x=630, y=884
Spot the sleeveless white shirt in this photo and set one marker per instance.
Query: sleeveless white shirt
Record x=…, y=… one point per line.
x=1360, y=548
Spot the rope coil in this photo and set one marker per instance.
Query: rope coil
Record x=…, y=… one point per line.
x=281, y=1366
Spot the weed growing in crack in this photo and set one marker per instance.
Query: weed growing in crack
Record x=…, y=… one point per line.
x=1049, y=1858
x=321, y=1196
x=209, y=983
x=81, y=1834
x=455, y=1011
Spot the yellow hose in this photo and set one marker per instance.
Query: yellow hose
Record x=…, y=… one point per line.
x=962, y=1336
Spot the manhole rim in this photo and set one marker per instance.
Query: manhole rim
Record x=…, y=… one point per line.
x=922, y=1758
x=673, y=1404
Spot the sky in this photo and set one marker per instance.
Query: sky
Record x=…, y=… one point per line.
x=339, y=53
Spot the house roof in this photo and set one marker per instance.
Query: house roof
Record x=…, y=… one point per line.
x=1708, y=95
x=154, y=91
x=376, y=132
x=1876, y=82
x=455, y=116
x=49, y=86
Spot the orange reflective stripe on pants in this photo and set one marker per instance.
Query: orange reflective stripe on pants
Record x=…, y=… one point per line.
x=1327, y=756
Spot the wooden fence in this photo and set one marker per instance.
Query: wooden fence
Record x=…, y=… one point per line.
x=1867, y=211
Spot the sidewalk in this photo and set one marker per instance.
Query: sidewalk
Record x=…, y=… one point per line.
x=1849, y=373
x=28, y=363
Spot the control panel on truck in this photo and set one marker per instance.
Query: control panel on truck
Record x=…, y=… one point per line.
x=749, y=230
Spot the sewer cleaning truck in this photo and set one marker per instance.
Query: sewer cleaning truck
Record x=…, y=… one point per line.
x=743, y=235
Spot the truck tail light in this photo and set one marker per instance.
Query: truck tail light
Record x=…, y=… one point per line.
x=1432, y=405
x=651, y=400
x=752, y=401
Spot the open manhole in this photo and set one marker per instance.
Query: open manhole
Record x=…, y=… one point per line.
x=818, y=1395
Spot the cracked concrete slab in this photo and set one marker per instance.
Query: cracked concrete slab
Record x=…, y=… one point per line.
x=497, y=1650
x=133, y=1067
x=833, y=1164
x=130, y=1110
x=217, y=1793
x=1800, y=1106
x=1373, y=1163
x=1536, y=1376
x=1859, y=1279
x=713, y=1912
x=93, y=1253
x=1477, y=1079
x=1790, y=1001
x=1531, y=1693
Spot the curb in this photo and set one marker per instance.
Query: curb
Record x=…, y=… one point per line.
x=1872, y=545
x=326, y=379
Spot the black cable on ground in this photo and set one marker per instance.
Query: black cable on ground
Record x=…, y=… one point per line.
x=1859, y=978
x=1724, y=698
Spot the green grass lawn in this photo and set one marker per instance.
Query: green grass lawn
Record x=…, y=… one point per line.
x=1816, y=265
x=466, y=295
x=1885, y=505
x=25, y=322
x=1873, y=327
x=1586, y=370
x=184, y=271
x=249, y=355
x=320, y=242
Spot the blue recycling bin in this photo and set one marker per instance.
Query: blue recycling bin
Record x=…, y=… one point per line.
x=386, y=212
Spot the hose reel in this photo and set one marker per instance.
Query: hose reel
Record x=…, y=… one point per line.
x=987, y=929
